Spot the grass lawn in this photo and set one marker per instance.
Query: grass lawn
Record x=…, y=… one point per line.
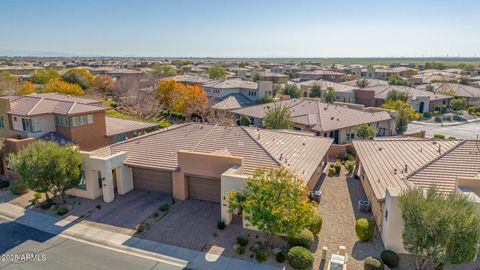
x=163, y=123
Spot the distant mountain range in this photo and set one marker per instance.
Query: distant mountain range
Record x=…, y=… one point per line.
x=13, y=53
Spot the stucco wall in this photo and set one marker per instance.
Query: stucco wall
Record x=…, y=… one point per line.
x=231, y=180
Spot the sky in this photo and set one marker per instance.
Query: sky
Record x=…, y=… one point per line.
x=246, y=28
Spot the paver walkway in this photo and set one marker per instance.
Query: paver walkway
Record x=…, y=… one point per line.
x=338, y=207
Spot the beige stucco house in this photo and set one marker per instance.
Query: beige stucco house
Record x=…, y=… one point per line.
x=338, y=121
x=387, y=167
x=199, y=161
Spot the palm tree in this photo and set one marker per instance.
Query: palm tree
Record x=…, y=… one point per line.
x=362, y=83
x=278, y=118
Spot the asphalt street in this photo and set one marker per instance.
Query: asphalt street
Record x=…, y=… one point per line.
x=22, y=247
x=468, y=131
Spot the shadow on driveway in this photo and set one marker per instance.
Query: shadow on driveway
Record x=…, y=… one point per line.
x=190, y=224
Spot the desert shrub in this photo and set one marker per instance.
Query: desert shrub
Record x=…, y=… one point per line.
x=281, y=257
x=350, y=166
x=240, y=250
x=46, y=204
x=338, y=167
x=261, y=255
x=471, y=110
x=141, y=228
x=300, y=258
x=36, y=198
x=427, y=114
x=62, y=211
x=19, y=189
x=438, y=136
x=372, y=263
x=438, y=119
x=242, y=240
x=221, y=225
x=452, y=138
x=364, y=229
x=164, y=207
x=303, y=239
x=331, y=170
x=4, y=184
x=316, y=224
x=436, y=113
x=390, y=258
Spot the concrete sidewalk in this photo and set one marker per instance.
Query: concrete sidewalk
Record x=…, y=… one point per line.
x=187, y=258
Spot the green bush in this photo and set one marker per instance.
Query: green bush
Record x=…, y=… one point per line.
x=390, y=258
x=164, y=207
x=36, y=198
x=438, y=119
x=471, y=110
x=350, y=166
x=338, y=167
x=242, y=240
x=46, y=204
x=62, y=211
x=364, y=229
x=436, y=113
x=4, y=184
x=427, y=115
x=221, y=225
x=300, y=258
x=316, y=224
x=331, y=170
x=261, y=255
x=281, y=257
x=240, y=250
x=372, y=263
x=303, y=239
x=19, y=189
x=438, y=136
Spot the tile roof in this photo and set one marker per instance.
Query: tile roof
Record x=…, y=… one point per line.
x=325, y=84
x=118, y=126
x=370, y=83
x=231, y=84
x=381, y=92
x=229, y=103
x=428, y=162
x=192, y=79
x=38, y=104
x=460, y=90
x=317, y=115
x=259, y=148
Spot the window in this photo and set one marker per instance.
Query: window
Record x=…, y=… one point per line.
x=62, y=121
x=26, y=125
x=82, y=184
x=57, y=120
x=35, y=125
x=83, y=120
x=75, y=121
x=2, y=123
x=90, y=119
x=119, y=138
x=15, y=119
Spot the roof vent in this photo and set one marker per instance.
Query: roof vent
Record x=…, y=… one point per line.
x=406, y=168
x=439, y=148
x=395, y=171
x=380, y=149
x=258, y=136
x=281, y=156
x=332, y=118
x=303, y=143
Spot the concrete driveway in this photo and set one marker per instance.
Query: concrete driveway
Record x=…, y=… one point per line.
x=190, y=224
x=127, y=211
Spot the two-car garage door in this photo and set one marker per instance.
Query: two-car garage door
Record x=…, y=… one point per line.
x=204, y=189
x=199, y=188
x=151, y=180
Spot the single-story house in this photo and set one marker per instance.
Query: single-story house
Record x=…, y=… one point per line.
x=199, y=161
x=470, y=93
x=338, y=121
x=386, y=167
x=421, y=101
x=343, y=93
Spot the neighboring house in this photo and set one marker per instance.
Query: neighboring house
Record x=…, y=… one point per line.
x=276, y=78
x=421, y=101
x=199, y=161
x=380, y=72
x=191, y=79
x=63, y=119
x=337, y=121
x=433, y=76
x=370, y=83
x=124, y=73
x=319, y=74
x=387, y=167
x=19, y=70
x=470, y=93
x=343, y=93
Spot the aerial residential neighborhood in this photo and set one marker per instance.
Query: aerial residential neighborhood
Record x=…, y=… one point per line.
x=225, y=135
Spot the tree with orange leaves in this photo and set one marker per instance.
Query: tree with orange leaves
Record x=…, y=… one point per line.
x=60, y=86
x=178, y=97
x=27, y=89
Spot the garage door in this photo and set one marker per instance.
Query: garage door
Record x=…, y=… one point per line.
x=205, y=189
x=151, y=180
